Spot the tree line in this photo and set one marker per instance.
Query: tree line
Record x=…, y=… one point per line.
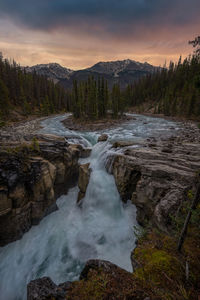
x=92, y=99
x=174, y=91
x=171, y=91
x=29, y=92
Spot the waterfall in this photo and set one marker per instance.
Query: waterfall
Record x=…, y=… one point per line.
x=101, y=229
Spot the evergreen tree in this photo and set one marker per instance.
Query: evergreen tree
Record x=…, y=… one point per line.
x=29, y=92
x=172, y=91
x=116, y=98
x=90, y=98
x=76, y=103
x=4, y=100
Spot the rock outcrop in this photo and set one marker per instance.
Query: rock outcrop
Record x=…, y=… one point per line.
x=103, y=138
x=121, y=144
x=32, y=176
x=83, y=180
x=103, y=265
x=44, y=288
x=99, y=280
x=157, y=176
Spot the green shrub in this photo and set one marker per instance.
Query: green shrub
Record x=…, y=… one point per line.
x=35, y=145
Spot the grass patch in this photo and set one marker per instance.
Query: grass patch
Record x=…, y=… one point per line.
x=162, y=270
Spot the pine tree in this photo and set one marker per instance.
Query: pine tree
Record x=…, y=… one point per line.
x=30, y=92
x=173, y=91
x=116, y=97
x=76, y=105
x=4, y=100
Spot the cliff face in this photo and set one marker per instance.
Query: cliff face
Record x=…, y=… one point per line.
x=32, y=176
x=157, y=176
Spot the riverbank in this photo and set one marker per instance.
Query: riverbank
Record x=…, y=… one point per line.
x=16, y=117
x=148, y=110
x=22, y=130
x=173, y=118
x=17, y=130
x=109, y=123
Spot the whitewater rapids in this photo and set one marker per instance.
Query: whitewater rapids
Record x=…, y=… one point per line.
x=102, y=229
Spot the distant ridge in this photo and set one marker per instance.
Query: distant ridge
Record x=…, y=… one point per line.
x=115, y=67
x=121, y=71
x=52, y=71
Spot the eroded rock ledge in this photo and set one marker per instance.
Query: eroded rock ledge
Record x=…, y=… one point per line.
x=32, y=176
x=157, y=176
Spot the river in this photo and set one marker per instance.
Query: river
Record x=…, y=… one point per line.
x=102, y=228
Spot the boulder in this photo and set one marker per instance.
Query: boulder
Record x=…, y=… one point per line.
x=45, y=289
x=104, y=280
x=103, y=265
x=103, y=138
x=83, y=180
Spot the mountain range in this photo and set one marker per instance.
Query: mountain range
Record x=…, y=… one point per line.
x=123, y=72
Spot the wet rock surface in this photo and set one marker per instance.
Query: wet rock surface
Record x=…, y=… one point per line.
x=103, y=138
x=32, y=176
x=157, y=175
x=121, y=144
x=83, y=180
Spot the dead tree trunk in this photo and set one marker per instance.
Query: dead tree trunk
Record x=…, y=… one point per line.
x=187, y=220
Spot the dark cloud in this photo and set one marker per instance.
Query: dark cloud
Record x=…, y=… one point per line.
x=115, y=15
x=79, y=33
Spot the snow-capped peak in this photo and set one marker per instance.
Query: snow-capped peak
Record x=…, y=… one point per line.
x=115, y=67
x=52, y=70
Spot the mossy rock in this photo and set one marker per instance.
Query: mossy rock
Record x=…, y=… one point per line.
x=157, y=264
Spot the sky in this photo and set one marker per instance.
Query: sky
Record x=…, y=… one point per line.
x=80, y=33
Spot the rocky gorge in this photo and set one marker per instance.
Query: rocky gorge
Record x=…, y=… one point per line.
x=33, y=175
x=155, y=173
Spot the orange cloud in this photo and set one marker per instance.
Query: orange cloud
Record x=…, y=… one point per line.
x=77, y=48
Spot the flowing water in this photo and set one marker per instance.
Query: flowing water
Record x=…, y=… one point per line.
x=103, y=228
